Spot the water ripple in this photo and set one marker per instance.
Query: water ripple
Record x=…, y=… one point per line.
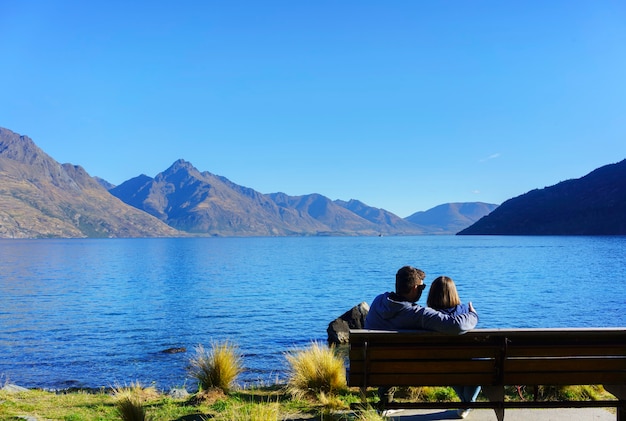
x=95, y=313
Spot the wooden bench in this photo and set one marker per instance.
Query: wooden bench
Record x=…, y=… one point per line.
x=492, y=358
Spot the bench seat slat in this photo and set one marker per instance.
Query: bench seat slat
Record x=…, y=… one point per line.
x=407, y=367
x=432, y=379
x=562, y=350
x=420, y=353
x=565, y=364
x=563, y=378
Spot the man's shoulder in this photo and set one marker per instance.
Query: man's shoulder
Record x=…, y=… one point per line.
x=382, y=296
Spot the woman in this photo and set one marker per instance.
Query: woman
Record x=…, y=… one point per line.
x=444, y=297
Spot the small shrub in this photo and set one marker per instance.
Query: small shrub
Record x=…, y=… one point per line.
x=315, y=370
x=217, y=368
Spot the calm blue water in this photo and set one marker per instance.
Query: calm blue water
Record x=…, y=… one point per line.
x=91, y=313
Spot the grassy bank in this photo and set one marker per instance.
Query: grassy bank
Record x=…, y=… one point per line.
x=315, y=390
x=263, y=404
x=267, y=403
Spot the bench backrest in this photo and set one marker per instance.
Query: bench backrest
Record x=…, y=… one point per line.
x=488, y=357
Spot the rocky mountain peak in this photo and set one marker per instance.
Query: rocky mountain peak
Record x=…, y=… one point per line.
x=19, y=148
x=42, y=198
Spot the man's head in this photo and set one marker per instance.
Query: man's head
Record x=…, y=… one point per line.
x=410, y=283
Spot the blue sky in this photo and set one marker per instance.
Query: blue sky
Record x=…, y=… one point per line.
x=403, y=105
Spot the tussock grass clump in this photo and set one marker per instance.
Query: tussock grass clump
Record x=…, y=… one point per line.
x=315, y=370
x=131, y=409
x=217, y=368
x=131, y=400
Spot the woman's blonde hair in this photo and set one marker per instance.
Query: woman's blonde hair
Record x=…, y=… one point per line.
x=443, y=294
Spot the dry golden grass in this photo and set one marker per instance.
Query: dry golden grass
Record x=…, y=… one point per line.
x=131, y=409
x=130, y=401
x=315, y=370
x=217, y=368
x=136, y=391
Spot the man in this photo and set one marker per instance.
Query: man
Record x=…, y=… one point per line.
x=399, y=311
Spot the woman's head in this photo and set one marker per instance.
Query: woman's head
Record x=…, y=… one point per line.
x=443, y=294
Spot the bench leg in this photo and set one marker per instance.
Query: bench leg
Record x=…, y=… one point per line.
x=495, y=394
x=619, y=391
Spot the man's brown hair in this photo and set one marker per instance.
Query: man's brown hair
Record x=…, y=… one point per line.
x=407, y=277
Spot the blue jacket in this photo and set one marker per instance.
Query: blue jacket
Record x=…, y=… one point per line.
x=390, y=312
x=453, y=311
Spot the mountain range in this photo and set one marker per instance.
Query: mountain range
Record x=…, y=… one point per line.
x=204, y=203
x=40, y=198
x=591, y=205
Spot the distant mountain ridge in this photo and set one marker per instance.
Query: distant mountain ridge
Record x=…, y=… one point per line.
x=591, y=205
x=40, y=198
x=204, y=203
x=451, y=218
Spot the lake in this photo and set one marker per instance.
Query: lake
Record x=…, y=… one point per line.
x=99, y=312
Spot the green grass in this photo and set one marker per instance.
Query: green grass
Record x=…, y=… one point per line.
x=428, y=394
x=550, y=393
x=263, y=403
x=267, y=411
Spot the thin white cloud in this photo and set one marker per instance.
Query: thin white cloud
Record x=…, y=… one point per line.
x=476, y=191
x=492, y=156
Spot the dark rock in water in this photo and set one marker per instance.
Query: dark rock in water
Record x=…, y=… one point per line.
x=339, y=329
x=174, y=350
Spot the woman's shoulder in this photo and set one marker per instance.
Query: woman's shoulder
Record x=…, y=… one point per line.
x=458, y=309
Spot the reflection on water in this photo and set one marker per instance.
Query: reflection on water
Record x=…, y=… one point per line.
x=96, y=313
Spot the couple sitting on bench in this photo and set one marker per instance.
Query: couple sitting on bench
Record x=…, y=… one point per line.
x=399, y=311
